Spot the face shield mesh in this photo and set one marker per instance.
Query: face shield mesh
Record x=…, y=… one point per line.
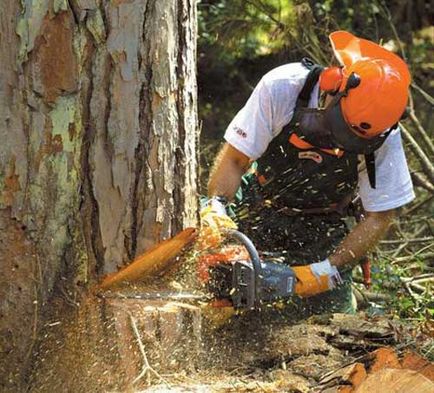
x=344, y=137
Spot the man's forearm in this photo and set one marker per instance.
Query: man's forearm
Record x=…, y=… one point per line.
x=362, y=238
x=227, y=171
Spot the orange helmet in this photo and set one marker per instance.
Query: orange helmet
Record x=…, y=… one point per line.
x=379, y=100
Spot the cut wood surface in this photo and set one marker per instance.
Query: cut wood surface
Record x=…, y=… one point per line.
x=390, y=380
x=153, y=262
x=415, y=362
x=382, y=372
x=384, y=358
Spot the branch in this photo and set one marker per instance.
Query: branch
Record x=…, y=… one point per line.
x=424, y=94
x=311, y=48
x=262, y=8
x=412, y=294
x=364, y=297
x=426, y=256
x=386, y=13
x=146, y=368
x=418, y=240
x=416, y=282
x=420, y=180
x=418, y=205
x=429, y=277
x=425, y=162
x=421, y=131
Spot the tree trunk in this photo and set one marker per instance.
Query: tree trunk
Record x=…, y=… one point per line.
x=98, y=133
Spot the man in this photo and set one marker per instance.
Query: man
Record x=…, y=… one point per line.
x=309, y=163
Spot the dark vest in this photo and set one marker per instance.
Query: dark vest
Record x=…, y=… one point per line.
x=305, y=178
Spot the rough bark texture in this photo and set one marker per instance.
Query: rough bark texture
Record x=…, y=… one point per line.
x=98, y=128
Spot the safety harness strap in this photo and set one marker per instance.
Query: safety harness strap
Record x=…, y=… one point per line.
x=370, y=159
x=370, y=168
x=311, y=80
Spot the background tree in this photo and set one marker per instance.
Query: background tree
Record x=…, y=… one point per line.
x=98, y=153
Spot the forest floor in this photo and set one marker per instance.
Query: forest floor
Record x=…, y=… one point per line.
x=91, y=348
x=329, y=353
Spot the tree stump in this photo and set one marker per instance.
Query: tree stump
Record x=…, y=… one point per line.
x=168, y=332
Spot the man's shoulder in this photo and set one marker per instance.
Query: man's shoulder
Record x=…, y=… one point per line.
x=285, y=81
x=286, y=73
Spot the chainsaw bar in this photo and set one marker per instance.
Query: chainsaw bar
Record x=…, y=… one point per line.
x=161, y=295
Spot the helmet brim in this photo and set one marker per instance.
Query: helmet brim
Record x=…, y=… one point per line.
x=348, y=49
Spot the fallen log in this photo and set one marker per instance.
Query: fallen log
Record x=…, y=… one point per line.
x=415, y=362
x=390, y=380
x=382, y=372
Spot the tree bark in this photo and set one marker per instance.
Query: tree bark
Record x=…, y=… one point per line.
x=98, y=124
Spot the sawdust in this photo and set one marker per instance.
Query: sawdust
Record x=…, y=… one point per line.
x=276, y=381
x=95, y=348
x=77, y=351
x=20, y=280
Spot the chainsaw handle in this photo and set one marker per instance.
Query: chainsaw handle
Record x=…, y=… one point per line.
x=253, y=253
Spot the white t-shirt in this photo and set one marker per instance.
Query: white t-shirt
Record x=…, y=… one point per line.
x=271, y=107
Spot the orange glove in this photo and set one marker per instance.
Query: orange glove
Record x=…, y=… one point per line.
x=214, y=221
x=316, y=278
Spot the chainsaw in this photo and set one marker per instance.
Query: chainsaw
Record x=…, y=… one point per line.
x=235, y=277
x=239, y=278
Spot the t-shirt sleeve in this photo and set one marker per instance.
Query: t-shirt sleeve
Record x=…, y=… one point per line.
x=251, y=130
x=394, y=187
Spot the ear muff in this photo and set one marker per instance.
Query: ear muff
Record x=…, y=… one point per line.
x=330, y=79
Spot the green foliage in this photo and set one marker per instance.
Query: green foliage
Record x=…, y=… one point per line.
x=244, y=29
x=409, y=299
x=238, y=42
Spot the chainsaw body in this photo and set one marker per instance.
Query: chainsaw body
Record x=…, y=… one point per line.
x=245, y=280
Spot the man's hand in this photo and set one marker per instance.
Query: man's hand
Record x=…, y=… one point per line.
x=213, y=214
x=214, y=222
x=316, y=278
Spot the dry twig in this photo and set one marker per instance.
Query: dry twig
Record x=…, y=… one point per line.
x=424, y=160
x=414, y=240
x=147, y=370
